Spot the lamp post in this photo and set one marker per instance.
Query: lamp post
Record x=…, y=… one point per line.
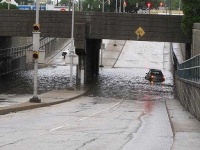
x=8, y=3
x=103, y=6
x=179, y=7
x=116, y=6
x=165, y=7
x=120, y=6
x=36, y=46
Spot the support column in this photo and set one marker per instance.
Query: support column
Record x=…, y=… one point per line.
x=188, y=50
x=92, y=58
x=5, y=42
x=78, y=72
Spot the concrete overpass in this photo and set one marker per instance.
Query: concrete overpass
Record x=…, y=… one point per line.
x=121, y=26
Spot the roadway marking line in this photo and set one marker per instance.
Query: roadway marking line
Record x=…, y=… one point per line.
x=86, y=117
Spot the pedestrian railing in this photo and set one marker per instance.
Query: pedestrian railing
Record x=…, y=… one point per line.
x=15, y=52
x=189, y=69
x=48, y=44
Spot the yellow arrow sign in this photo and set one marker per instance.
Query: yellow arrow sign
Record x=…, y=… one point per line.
x=140, y=32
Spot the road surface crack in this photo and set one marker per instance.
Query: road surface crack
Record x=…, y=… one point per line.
x=14, y=142
x=87, y=142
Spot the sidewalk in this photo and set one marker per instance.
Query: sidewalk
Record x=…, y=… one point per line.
x=186, y=129
x=47, y=99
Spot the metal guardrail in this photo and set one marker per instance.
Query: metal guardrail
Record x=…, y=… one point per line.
x=189, y=69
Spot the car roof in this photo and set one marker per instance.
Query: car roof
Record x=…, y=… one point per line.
x=154, y=70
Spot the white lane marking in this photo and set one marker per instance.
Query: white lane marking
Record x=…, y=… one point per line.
x=86, y=117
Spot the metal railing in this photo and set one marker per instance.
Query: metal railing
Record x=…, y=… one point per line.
x=15, y=52
x=47, y=44
x=189, y=69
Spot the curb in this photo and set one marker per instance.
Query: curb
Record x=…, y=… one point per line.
x=170, y=119
x=29, y=105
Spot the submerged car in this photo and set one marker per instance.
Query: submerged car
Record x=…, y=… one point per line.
x=155, y=75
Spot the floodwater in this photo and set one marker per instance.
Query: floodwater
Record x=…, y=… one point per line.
x=116, y=82
x=130, y=84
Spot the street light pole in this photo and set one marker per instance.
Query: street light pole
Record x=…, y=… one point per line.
x=36, y=46
x=103, y=6
x=179, y=7
x=120, y=6
x=116, y=6
x=8, y=4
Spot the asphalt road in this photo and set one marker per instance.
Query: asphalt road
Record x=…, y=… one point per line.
x=89, y=123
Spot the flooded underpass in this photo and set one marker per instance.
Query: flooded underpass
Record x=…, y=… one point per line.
x=120, y=111
x=124, y=79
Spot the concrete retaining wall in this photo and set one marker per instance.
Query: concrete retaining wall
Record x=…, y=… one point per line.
x=188, y=94
x=196, y=39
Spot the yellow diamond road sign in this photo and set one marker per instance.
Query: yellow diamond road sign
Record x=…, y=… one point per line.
x=140, y=32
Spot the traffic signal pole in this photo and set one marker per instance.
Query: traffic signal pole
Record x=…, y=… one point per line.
x=36, y=46
x=72, y=48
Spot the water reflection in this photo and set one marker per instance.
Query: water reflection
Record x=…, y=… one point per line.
x=129, y=84
x=48, y=79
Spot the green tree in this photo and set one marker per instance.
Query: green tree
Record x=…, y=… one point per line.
x=87, y=5
x=65, y=2
x=173, y=4
x=4, y=5
x=24, y=2
x=191, y=10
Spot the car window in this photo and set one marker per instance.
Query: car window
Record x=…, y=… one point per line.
x=156, y=73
